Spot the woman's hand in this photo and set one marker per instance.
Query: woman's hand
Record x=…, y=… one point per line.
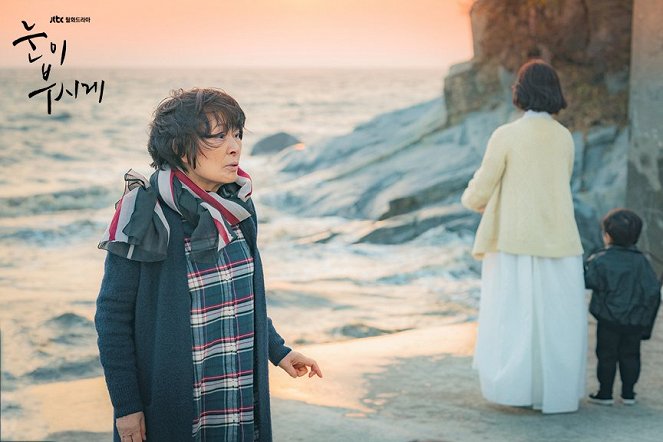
x=296, y=365
x=131, y=427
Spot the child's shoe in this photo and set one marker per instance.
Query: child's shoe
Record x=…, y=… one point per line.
x=628, y=400
x=598, y=398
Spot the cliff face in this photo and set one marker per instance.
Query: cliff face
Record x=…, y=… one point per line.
x=587, y=41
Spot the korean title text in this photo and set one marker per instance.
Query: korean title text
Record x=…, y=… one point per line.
x=39, y=46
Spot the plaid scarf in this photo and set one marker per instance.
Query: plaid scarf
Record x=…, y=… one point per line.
x=139, y=230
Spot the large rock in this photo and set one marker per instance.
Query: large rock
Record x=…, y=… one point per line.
x=587, y=219
x=274, y=144
x=404, y=228
x=588, y=41
x=602, y=173
x=397, y=163
x=470, y=87
x=595, y=32
x=376, y=139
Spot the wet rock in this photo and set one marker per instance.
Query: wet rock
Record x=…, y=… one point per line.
x=601, y=135
x=603, y=174
x=401, y=162
x=448, y=187
x=468, y=89
x=617, y=82
x=377, y=139
x=407, y=227
x=578, y=160
x=361, y=331
x=274, y=144
x=588, y=221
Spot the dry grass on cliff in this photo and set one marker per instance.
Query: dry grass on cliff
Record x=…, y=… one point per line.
x=590, y=102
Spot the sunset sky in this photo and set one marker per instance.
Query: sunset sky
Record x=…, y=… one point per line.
x=243, y=33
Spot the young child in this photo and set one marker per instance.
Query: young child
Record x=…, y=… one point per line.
x=625, y=299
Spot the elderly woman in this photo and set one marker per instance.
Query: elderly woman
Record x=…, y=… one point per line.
x=184, y=336
x=531, y=344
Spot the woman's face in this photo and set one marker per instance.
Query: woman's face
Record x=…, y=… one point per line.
x=218, y=160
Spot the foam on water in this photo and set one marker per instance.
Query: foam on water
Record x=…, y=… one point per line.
x=51, y=236
x=90, y=197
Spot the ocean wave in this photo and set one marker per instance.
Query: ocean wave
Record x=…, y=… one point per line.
x=30, y=116
x=94, y=197
x=73, y=339
x=71, y=330
x=360, y=330
x=62, y=347
x=10, y=408
x=39, y=236
x=79, y=436
x=70, y=320
x=67, y=370
x=8, y=382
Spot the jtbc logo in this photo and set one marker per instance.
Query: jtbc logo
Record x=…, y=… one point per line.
x=57, y=19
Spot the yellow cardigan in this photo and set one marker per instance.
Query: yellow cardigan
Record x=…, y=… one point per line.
x=523, y=190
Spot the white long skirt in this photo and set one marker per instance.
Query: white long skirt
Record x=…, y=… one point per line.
x=531, y=346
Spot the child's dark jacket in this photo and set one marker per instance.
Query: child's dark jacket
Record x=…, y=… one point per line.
x=626, y=291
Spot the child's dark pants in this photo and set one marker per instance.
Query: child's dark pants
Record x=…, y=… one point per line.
x=617, y=345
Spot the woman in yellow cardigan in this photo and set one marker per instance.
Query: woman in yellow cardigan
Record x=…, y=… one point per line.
x=531, y=344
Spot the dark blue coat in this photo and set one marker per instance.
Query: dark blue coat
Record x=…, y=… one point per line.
x=143, y=323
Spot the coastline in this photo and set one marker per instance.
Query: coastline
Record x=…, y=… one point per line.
x=416, y=385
